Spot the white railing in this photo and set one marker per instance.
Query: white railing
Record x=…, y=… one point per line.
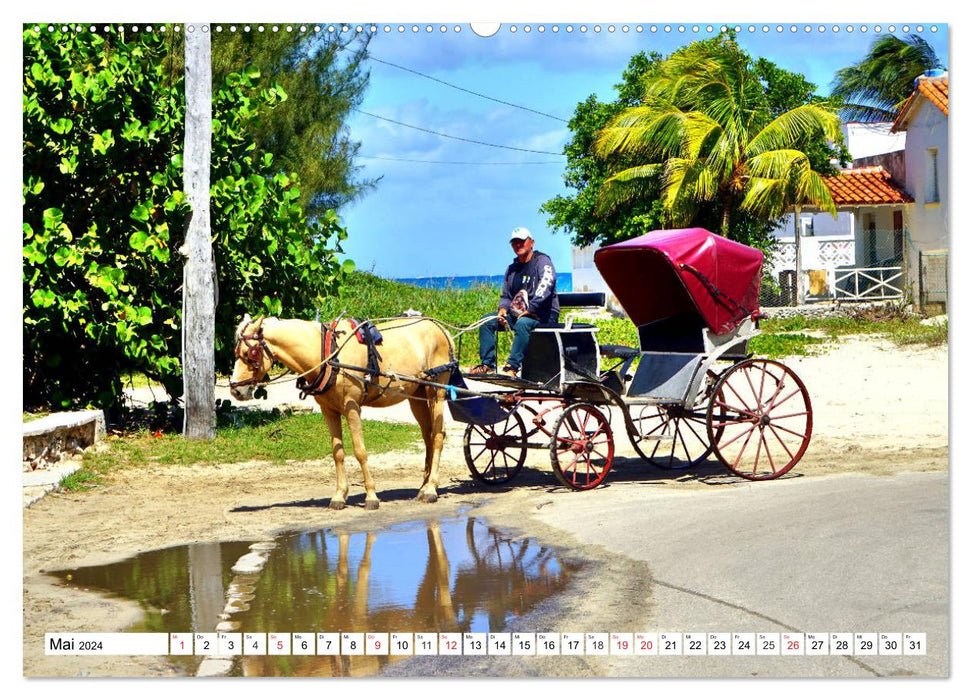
x=869, y=283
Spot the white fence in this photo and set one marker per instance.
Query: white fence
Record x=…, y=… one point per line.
x=868, y=283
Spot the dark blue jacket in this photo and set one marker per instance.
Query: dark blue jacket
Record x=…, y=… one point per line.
x=538, y=278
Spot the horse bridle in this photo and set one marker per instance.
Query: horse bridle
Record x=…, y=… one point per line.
x=253, y=357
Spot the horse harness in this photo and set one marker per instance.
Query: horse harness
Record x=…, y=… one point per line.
x=255, y=347
x=367, y=334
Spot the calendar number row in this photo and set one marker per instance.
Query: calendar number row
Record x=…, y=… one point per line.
x=491, y=644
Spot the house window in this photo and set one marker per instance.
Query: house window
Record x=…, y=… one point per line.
x=932, y=193
x=806, y=225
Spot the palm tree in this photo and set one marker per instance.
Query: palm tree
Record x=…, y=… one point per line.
x=875, y=89
x=704, y=127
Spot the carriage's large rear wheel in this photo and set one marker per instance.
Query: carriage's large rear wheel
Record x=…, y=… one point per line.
x=495, y=453
x=760, y=419
x=583, y=447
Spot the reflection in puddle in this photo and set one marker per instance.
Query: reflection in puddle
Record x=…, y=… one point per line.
x=457, y=575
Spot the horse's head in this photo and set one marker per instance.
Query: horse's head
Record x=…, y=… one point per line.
x=253, y=358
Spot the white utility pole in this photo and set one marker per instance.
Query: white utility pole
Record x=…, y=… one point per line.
x=198, y=290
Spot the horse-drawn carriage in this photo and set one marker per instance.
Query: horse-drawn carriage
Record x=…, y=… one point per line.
x=691, y=388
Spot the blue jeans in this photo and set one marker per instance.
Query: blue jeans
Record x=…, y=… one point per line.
x=521, y=328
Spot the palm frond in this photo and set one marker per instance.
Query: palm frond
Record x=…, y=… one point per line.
x=878, y=85
x=626, y=186
x=794, y=126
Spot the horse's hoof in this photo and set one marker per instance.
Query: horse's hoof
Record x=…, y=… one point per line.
x=427, y=497
x=336, y=505
x=372, y=505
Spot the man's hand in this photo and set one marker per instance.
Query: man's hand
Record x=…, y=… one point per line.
x=502, y=317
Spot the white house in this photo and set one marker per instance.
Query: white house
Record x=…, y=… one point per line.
x=924, y=119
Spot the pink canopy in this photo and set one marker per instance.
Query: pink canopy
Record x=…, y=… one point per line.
x=663, y=273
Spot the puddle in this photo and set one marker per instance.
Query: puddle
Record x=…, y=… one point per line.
x=454, y=575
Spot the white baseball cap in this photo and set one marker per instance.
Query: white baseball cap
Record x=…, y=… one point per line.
x=521, y=233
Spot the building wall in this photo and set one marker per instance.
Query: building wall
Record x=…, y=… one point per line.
x=863, y=140
x=926, y=220
x=894, y=163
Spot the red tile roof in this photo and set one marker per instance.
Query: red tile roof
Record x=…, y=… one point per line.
x=865, y=186
x=934, y=90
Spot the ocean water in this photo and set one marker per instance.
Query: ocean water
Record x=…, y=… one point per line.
x=564, y=281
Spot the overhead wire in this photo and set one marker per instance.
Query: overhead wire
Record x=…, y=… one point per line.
x=465, y=162
x=471, y=92
x=457, y=138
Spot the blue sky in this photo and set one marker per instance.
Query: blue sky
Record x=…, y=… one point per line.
x=434, y=219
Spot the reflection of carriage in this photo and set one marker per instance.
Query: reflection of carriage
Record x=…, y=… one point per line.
x=693, y=297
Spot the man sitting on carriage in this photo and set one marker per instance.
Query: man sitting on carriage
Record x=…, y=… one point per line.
x=528, y=298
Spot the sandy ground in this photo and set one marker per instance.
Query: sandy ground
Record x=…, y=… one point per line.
x=878, y=410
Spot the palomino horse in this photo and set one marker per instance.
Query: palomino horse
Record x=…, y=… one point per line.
x=410, y=348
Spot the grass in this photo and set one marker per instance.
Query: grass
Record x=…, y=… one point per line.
x=896, y=325
x=253, y=436
x=366, y=296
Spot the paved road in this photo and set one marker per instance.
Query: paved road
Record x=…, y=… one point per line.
x=827, y=554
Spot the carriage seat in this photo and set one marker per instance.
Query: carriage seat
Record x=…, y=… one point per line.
x=589, y=301
x=682, y=332
x=671, y=351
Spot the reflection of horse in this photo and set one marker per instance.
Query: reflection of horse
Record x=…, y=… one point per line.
x=349, y=608
x=417, y=348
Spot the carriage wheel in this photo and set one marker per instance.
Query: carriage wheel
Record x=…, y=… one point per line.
x=495, y=453
x=583, y=447
x=671, y=437
x=760, y=420
x=674, y=437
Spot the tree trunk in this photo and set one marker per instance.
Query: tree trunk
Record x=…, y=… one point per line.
x=198, y=290
x=726, y=215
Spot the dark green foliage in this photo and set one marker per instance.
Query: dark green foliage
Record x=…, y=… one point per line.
x=104, y=216
x=324, y=79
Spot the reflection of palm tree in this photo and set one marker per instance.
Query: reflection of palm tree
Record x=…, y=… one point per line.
x=875, y=88
x=704, y=128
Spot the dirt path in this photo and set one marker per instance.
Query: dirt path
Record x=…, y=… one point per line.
x=879, y=411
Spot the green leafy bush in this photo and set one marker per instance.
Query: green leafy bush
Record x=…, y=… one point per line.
x=104, y=217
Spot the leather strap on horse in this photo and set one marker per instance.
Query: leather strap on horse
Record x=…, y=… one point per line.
x=365, y=334
x=433, y=371
x=327, y=375
x=253, y=357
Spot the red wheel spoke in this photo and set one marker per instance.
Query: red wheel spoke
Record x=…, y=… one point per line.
x=740, y=398
x=775, y=404
x=756, y=394
x=744, y=446
x=790, y=415
x=801, y=436
x=781, y=441
x=765, y=443
x=735, y=409
x=758, y=452
x=745, y=432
